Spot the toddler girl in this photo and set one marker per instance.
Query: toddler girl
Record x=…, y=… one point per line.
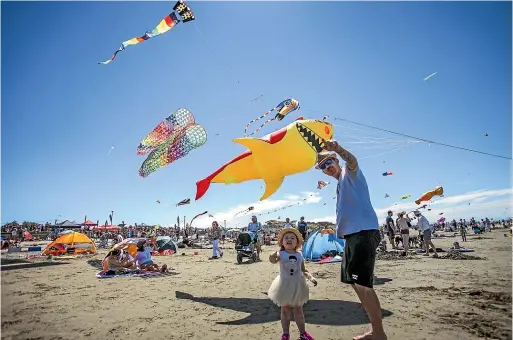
x=289, y=290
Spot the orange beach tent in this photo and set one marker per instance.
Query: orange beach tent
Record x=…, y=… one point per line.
x=72, y=243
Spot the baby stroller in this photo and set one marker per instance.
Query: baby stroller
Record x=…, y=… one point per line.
x=245, y=246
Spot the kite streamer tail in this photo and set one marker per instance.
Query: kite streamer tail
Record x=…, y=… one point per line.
x=258, y=129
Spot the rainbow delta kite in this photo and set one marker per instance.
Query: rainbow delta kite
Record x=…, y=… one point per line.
x=164, y=26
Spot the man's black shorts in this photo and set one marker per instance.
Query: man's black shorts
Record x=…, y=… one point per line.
x=359, y=257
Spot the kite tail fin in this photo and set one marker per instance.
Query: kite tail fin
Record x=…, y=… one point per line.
x=202, y=187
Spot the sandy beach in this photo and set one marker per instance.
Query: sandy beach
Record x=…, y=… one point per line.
x=422, y=298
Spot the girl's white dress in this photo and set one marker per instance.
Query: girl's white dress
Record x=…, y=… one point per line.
x=290, y=287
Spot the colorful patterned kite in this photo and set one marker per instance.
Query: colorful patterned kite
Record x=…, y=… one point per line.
x=322, y=184
x=405, y=197
x=283, y=108
x=171, y=140
x=165, y=25
x=387, y=174
x=438, y=191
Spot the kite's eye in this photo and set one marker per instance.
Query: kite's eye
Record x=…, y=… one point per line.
x=327, y=130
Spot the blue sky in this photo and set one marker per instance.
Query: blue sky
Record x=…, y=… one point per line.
x=61, y=111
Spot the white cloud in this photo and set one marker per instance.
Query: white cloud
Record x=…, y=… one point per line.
x=483, y=203
x=259, y=207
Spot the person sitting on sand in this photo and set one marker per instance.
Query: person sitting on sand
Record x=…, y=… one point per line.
x=456, y=245
x=144, y=260
x=112, y=265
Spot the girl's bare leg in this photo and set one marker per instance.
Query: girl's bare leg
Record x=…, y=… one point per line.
x=299, y=317
x=285, y=319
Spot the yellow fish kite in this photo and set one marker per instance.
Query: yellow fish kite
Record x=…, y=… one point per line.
x=285, y=152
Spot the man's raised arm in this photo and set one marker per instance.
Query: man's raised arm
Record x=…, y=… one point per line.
x=349, y=158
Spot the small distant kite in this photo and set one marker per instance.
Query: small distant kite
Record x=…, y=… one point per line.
x=110, y=150
x=200, y=214
x=387, y=174
x=245, y=211
x=283, y=108
x=486, y=134
x=431, y=75
x=387, y=195
x=441, y=213
x=257, y=98
x=427, y=196
x=322, y=184
x=405, y=197
x=158, y=201
x=170, y=140
x=183, y=202
x=164, y=26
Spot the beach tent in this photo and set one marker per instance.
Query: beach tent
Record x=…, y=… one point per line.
x=27, y=236
x=165, y=245
x=72, y=243
x=319, y=243
x=88, y=223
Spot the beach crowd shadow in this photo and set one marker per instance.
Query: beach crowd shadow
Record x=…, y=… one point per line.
x=319, y=312
x=30, y=265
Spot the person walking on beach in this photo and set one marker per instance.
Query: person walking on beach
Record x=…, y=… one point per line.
x=216, y=235
x=287, y=223
x=423, y=225
x=357, y=223
x=402, y=224
x=256, y=228
x=391, y=228
x=302, y=227
x=289, y=289
x=463, y=232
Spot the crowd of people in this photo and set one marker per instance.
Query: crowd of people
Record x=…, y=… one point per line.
x=356, y=223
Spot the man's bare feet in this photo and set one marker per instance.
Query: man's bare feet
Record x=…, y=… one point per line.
x=370, y=336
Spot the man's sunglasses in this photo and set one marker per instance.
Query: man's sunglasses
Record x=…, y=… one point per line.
x=325, y=164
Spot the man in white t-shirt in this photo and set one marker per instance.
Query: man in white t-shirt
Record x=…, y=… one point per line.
x=424, y=226
x=287, y=223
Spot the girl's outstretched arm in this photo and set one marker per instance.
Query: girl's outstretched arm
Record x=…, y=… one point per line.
x=274, y=257
x=307, y=274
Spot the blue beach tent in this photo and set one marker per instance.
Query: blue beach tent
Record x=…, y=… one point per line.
x=319, y=243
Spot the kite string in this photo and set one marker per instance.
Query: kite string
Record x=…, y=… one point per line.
x=212, y=50
x=422, y=139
